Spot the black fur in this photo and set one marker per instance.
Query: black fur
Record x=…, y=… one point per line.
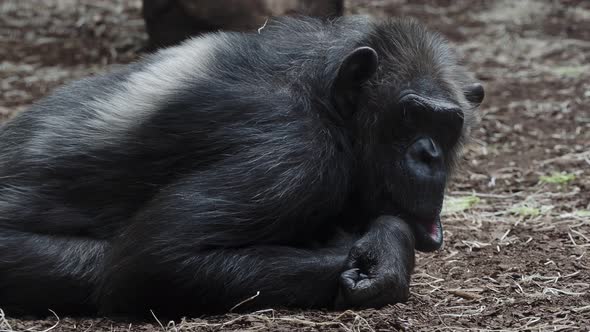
x=274, y=166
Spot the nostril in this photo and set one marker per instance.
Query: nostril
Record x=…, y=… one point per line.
x=424, y=163
x=431, y=151
x=425, y=151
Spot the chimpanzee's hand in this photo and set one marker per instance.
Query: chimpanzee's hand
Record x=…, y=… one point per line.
x=378, y=267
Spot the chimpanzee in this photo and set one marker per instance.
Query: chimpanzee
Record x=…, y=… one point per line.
x=299, y=165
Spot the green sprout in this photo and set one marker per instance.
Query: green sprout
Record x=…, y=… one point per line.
x=459, y=204
x=530, y=209
x=558, y=178
x=570, y=71
x=526, y=211
x=582, y=213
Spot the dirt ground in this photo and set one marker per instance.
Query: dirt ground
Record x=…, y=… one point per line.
x=517, y=216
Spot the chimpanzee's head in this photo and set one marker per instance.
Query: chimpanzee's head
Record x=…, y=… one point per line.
x=411, y=107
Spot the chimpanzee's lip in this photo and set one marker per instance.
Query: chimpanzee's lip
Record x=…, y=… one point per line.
x=428, y=231
x=429, y=234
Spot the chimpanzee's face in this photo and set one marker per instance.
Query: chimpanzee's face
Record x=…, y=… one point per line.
x=410, y=106
x=407, y=141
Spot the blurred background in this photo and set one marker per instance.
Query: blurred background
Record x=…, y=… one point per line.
x=517, y=215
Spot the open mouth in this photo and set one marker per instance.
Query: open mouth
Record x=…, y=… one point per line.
x=428, y=233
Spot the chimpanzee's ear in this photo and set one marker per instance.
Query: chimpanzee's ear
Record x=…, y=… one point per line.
x=356, y=68
x=474, y=93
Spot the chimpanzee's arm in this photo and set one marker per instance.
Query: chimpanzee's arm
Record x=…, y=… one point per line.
x=215, y=280
x=178, y=258
x=371, y=272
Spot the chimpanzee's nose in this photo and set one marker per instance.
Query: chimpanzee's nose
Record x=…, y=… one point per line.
x=425, y=151
x=424, y=157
